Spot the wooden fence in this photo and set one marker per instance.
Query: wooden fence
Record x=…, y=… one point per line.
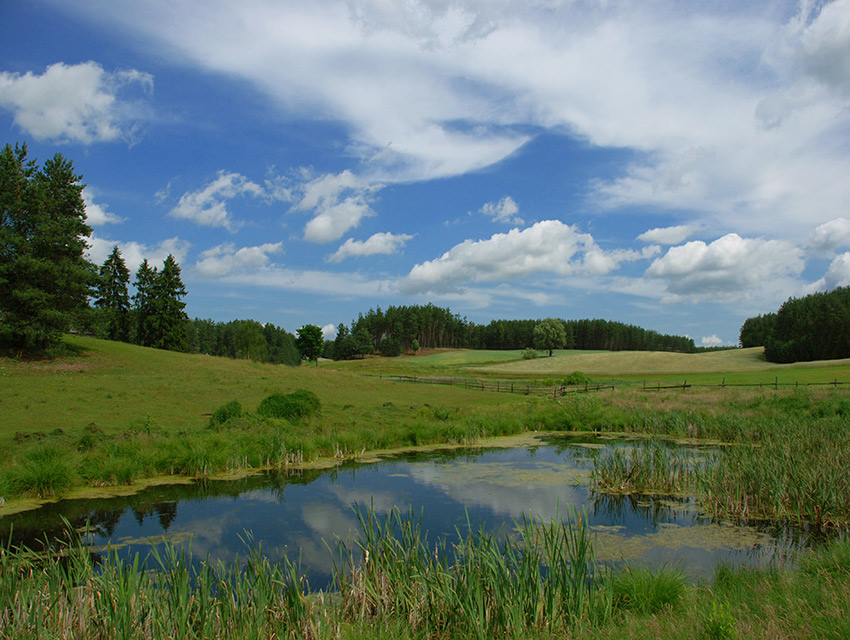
x=529, y=388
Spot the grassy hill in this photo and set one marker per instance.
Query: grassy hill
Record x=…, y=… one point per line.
x=113, y=414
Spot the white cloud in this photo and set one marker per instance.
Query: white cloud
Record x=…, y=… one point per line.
x=726, y=269
x=329, y=332
x=78, y=103
x=338, y=203
x=837, y=275
x=134, y=253
x=208, y=206
x=377, y=244
x=505, y=210
x=712, y=341
x=547, y=246
x=667, y=235
x=96, y=214
x=831, y=235
x=733, y=110
x=226, y=259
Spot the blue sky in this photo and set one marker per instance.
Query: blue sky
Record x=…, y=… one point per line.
x=677, y=165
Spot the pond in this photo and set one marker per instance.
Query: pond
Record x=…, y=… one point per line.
x=303, y=514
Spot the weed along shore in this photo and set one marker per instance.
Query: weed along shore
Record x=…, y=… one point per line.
x=112, y=419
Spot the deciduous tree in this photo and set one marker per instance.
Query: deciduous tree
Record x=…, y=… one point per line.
x=310, y=342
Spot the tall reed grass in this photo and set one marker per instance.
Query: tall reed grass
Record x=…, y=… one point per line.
x=542, y=577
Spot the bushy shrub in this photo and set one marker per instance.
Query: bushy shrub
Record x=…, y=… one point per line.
x=575, y=378
x=529, y=354
x=226, y=412
x=298, y=404
x=43, y=472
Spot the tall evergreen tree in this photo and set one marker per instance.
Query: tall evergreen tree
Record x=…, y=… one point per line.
x=44, y=277
x=112, y=296
x=143, y=307
x=168, y=320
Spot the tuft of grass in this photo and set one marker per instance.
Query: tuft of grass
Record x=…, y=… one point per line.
x=645, y=591
x=45, y=471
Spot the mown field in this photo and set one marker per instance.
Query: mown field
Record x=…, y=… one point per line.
x=109, y=416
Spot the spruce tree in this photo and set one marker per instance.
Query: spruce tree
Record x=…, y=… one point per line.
x=112, y=296
x=44, y=277
x=143, y=307
x=168, y=320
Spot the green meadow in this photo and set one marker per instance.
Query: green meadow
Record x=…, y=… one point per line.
x=109, y=417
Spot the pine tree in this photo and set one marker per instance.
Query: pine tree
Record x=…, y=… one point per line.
x=112, y=296
x=143, y=307
x=168, y=320
x=44, y=277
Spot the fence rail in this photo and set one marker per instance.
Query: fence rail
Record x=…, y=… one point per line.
x=528, y=388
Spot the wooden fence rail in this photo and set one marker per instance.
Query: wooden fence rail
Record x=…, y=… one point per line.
x=527, y=388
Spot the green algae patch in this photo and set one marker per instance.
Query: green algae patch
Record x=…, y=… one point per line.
x=612, y=545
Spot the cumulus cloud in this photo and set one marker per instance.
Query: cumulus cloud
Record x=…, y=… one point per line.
x=97, y=214
x=338, y=203
x=548, y=246
x=208, y=206
x=134, y=253
x=712, y=341
x=667, y=235
x=727, y=268
x=226, y=259
x=76, y=103
x=329, y=332
x=837, y=275
x=829, y=236
x=377, y=244
x=505, y=210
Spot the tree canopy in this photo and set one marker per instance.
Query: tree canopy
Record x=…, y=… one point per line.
x=45, y=279
x=112, y=297
x=310, y=342
x=550, y=334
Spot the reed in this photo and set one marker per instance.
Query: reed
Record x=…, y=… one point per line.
x=542, y=578
x=652, y=466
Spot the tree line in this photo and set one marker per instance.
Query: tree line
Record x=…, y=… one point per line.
x=814, y=327
x=408, y=328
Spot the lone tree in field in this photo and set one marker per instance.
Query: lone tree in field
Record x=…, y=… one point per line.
x=310, y=342
x=44, y=277
x=112, y=296
x=550, y=334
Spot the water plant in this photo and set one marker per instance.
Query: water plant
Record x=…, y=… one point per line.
x=541, y=577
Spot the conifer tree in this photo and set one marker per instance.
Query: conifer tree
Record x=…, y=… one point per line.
x=44, y=277
x=168, y=320
x=143, y=307
x=112, y=296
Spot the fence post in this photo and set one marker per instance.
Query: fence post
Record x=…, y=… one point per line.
x=723, y=384
x=776, y=382
x=685, y=384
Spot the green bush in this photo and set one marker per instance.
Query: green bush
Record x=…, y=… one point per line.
x=529, y=354
x=295, y=405
x=575, y=378
x=226, y=412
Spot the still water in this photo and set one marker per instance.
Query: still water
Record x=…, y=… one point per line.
x=304, y=514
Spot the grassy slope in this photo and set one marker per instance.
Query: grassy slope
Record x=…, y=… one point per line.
x=117, y=386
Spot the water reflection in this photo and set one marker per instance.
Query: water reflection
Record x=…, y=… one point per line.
x=301, y=515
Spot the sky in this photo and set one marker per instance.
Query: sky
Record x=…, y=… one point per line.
x=676, y=165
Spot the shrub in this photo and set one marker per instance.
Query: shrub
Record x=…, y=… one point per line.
x=298, y=404
x=226, y=412
x=575, y=378
x=529, y=354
